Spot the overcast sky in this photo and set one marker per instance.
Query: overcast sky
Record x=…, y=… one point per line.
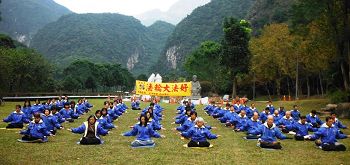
x=126, y=7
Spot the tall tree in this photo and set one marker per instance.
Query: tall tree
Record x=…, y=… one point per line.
x=205, y=63
x=235, y=54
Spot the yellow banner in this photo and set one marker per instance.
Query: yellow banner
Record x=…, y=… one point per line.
x=163, y=89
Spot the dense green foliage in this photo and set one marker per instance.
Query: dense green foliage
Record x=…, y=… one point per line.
x=96, y=77
x=104, y=38
x=23, y=69
x=21, y=19
x=204, y=23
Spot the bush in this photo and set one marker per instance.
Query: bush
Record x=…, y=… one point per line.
x=338, y=96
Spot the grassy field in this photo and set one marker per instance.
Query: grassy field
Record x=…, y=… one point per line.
x=228, y=149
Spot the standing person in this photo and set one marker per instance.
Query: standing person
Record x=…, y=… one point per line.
x=199, y=134
x=269, y=132
x=17, y=118
x=143, y=133
x=92, y=131
x=329, y=135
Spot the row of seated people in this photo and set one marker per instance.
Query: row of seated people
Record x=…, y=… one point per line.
x=266, y=127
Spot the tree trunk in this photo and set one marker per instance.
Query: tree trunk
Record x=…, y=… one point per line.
x=278, y=87
x=308, y=86
x=321, y=84
x=234, y=87
x=254, y=86
x=268, y=91
x=345, y=77
x=297, y=80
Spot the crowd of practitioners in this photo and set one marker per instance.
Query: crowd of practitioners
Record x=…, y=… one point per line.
x=272, y=123
x=44, y=119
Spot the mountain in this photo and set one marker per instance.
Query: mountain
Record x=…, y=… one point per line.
x=174, y=14
x=102, y=38
x=205, y=23
x=21, y=19
x=269, y=11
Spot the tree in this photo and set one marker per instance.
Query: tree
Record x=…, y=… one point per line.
x=142, y=77
x=235, y=54
x=205, y=63
x=334, y=15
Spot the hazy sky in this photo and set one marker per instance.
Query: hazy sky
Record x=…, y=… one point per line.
x=126, y=7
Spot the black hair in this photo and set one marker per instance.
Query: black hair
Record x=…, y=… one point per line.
x=98, y=111
x=188, y=108
x=37, y=115
x=313, y=111
x=333, y=113
x=54, y=107
x=25, y=101
x=18, y=106
x=150, y=115
x=228, y=104
x=295, y=106
x=91, y=117
x=267, y=108
x=193, y=112
x=302, y=117
x=104, y=109
x=104, y=103
x=328, y=118
x=151, y=104
x=146, y=120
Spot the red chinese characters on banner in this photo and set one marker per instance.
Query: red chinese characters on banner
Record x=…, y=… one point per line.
x=184, y=87
x=163, y=89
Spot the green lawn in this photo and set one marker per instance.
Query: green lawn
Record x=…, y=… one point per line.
x=228, y=149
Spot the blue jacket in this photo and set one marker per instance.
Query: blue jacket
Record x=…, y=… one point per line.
x=228, y=116
x=199, y=134
x=281, y=112
x=276, y=118
x=37, y=130
x=301, y=129
x=135, y=104
x=181, y=120
x=155, y=124
x=314, y=120
x=142, y=133
x=252, y=125
x=338, y=124
x=271, y=108
x=87, y=104
x=186, y=125
x=60, y=119
x=284, y=121
x=295, y=114
x=59, y=104
x=81, y=108
x=37, y=108
x=104, y=123
x=84, y=129
x=68, y=114
x=328, y=134
x=268, y=134
x=51, y=122
x=239, y=121
x=263, y=116
x=17, y=118
x=250, y=112
x=28, y=112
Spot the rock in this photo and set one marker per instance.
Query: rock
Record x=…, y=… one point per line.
x=343, y=110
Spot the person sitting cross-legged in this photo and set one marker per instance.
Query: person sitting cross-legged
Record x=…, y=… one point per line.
x=269, y=132
x=329, y=134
